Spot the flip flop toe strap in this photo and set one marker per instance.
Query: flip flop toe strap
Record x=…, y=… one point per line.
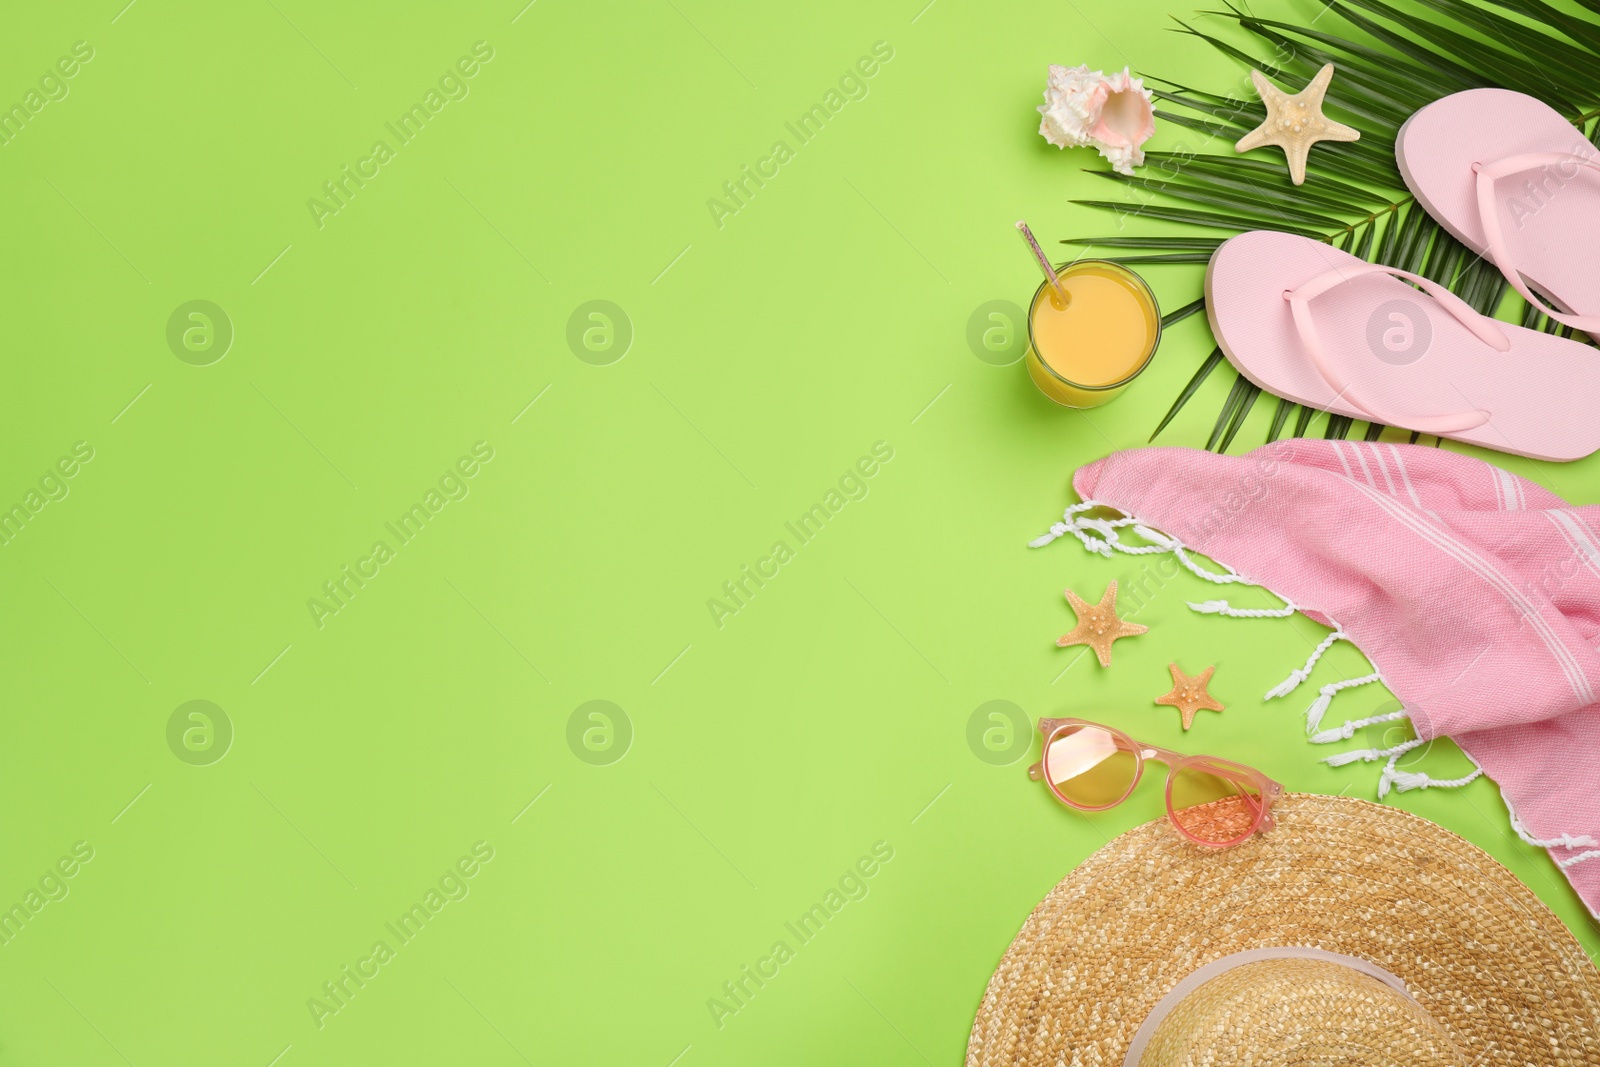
x=1568, y=166
x=1484, y=328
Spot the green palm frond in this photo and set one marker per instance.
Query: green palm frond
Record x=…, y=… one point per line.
x=1182, y=313
x=1390, y=62
x=1212, y=362
x=1240, y=400
x=1303, y=421
x=1279, y=418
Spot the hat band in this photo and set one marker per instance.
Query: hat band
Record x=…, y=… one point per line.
x=1227, y=963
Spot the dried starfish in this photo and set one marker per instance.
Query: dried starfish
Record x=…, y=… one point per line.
x=1295, y=123
x=1189, y=694
x=1098, y=624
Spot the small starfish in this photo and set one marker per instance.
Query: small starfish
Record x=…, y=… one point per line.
x=1189, y=694
x=1295, y=123
x=1098, y=624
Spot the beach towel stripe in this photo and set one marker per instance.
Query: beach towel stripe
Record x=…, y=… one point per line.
x=1348, y=473
x=1400, y=465
x=1583, y=524
x=1366, y=472
x=1583, y=544
x=1472, y=561
x=1383, y=469
x=1510, y=491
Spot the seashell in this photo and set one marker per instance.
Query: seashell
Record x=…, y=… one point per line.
x=1087, y=107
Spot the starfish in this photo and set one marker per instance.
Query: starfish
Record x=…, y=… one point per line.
x=1189, y=694
x=1295, y=123
x=1098, y=624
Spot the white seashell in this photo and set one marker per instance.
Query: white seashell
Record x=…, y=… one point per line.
x=1113, y=113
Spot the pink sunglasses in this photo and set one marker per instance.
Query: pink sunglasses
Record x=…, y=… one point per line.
x=1212, y=802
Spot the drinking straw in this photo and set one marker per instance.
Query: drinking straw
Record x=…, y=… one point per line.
x=1044, y=263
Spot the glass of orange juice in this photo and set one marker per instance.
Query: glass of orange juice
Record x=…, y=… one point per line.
x=1085, y=351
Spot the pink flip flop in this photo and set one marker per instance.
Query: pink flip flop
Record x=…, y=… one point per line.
x=1516, y=182
x=1321, y=327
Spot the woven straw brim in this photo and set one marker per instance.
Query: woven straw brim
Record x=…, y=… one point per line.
x=1479, y=952
x=1299, y=1011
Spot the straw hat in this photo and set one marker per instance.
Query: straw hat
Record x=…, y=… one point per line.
x=1353, y=933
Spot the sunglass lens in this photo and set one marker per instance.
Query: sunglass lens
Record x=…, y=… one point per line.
x=1089, y=767
x=1214, y=806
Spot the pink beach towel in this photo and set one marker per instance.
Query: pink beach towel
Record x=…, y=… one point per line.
x=1474, y=593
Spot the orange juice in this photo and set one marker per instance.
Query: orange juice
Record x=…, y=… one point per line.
x=1084, y=353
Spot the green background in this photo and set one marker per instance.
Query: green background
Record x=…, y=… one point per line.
x=768, y=355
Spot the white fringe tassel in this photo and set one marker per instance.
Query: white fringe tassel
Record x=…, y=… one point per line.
x=1559, y=841
x=1291, y=683
x=1389, y=774
x=1579, y=858
x=1408, y=780
x=1369, y=754
x=1100, y=536
x=1567, y=841
x=1402, y=781
x=1319, y=707
x=1348, y=730
x=1222, y=607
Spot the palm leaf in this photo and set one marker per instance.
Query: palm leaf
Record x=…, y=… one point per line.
x=1255, y=175
x=1462, y=77
x=1218, y=107
x=1211, y=363
x=1248, y=394
x=1531, y=316
x=1556, y=56
x=1179, y=257
x=1182, y=313
x=1279, y=417
x=1583, y=32
x=1192, y=218
x=1363, y=247
x=1501, y=68
x=1304, y=421
x=1240, y=398
x=1203, y=244
x=1269, y=205
x=1384, y=75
